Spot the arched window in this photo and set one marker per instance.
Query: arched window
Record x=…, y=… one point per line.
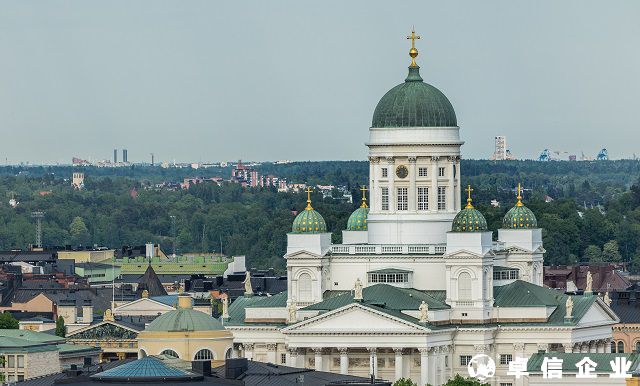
x=227, y=355
x=170, y=353
x=203, y=355
x=613, y=346
x=464, y=286
x=142, y=354
x=305, y=293
x=620, y=346
x=638, y=346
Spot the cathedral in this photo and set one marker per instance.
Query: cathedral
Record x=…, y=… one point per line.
x=418, y=286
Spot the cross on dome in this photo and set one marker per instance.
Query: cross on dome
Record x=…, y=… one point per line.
x=413, y=52
x=364, y=190
x=468, y=190
x=519, y=203
x=309, y=190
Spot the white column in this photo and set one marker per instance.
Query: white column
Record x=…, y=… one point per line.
x=391, y=174
x=432, y=372
x=344, y=360
x=424, y=367
x=271, y=354
x=433, y=190
x=318, y=358
x=412, y=194
x=593, y=346
x=607, y=346
x=457, y=182
x=398, y=363
x=451, y=203
x=292, y=353
x=373, y=361
x=374, y=187
x=600, y=346
x=248, y=351
x=442, y=375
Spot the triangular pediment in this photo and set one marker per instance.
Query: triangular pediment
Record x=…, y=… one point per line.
x=598, y=314
x=302, y=254
x=463, y=253
x=142, y=306
x=107, y=330
x=351, y=318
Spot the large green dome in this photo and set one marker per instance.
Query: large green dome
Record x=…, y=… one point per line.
x=469, y=219
x=414, y=104
x=184, y=318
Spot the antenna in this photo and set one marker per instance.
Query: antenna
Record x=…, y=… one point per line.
x=204, y=227
x=38, y=215
x=173, y=233
x=152, y=158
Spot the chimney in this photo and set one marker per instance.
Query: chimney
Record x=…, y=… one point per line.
x=235, y=367
x=87, y=312
x=201, y=367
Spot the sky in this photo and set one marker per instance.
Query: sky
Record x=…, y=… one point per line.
x=199, y=81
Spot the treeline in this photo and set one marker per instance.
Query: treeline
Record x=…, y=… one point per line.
x=594, y=214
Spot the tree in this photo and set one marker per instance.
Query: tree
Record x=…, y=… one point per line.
x=7, y=321
x=458, y=380
x=593, y=254
x=61, y=330
x=78, y=231
x=611, y=252
x=404, y=382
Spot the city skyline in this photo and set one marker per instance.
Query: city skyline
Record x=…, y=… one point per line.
x=212, y=82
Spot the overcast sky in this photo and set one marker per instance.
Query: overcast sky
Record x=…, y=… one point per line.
x=299, y=80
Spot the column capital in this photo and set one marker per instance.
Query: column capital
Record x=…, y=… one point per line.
x=518, y=346
x=398, y=350
x=482, y=347
x=424, y=351
x=412, y=159
x=390, y=159
x=342, y=350
x=272, y=346
x=248, y=346
x=374, y=160
x=317, y=350
x=293, y=351
x=372, y=350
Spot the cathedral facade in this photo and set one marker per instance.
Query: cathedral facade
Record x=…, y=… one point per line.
x=418, y=287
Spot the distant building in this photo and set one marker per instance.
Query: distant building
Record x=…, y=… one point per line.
x=501, y=153
x=115, y=156
x=78, y=180
x=125, y=156
x=572, y=278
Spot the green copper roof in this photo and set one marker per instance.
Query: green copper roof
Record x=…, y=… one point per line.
x=184, y=319
x=519, y=217
x=358, y=220
x=309, y=221
x=414, y=104
x=469, y=220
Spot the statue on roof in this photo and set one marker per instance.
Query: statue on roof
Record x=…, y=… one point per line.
x=145, y=294
x=248, y=290
x=607, y=299
x=292, y=310
x=357, y=290
x=225, y=307
x=424, y=312
x=108, y=316
x=569, y=306
x=589, y=287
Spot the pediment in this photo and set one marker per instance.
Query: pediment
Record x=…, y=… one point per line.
x=104, y=331
x=143, y=305
x=302, y=254
x=465, y=254
x=598, y=314
x=517, y=250
x=351, y=318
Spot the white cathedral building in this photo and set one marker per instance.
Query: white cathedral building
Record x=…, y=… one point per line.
x=418, y=286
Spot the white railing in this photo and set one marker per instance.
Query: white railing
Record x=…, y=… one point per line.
x=378, y=249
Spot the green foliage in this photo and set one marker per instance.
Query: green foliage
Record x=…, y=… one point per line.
x=78, y=231
x=61, y=330
x=458, y=380
x=7, y=321
x=593, y=254
x=611, y=251
x=404, y=382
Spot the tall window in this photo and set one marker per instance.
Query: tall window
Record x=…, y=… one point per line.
x=441, y=172
x=442, y=194
x=423, y=172
x=304, y=287
x=385, y=172
x=620, y=346
x=613, y=347
x=203, y=355
x=464, y=286
x=465, y=359
x=423, y=198
x=403, y=199
x=385, y=198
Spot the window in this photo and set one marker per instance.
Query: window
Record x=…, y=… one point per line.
x=385, y=172
x=11, y=363
x=506, y=275
x=613, y=347
x=170, y=353
x=442, y=204
x=423, y=198
x=464, y=286
x=403, y=199
x=304, y=288
x=423, y=172
x=440, y=172
x=20, y=361
x=506, y=384
x=203, y=355
x=505, y=359
x=465, y=359
x=376, y=277
x=385, y=198
x=620, y=348
x=283, y=359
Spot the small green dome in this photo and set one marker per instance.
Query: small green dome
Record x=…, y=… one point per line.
x=519, y=217
x=184, y=318
x=469, y=219
x=309, y=220
x=358, y=219
x=414, y=104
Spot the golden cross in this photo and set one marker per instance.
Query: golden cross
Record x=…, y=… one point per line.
x=309, y=190
x=413, y=52
x=469, y=190
x=364, y=189
x=519, y=203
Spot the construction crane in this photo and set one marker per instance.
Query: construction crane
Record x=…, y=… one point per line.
x=603, y=155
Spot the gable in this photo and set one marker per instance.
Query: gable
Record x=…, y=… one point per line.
x=351, y=318
x=104, y=331
x=597, y=315
x=141, y=307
